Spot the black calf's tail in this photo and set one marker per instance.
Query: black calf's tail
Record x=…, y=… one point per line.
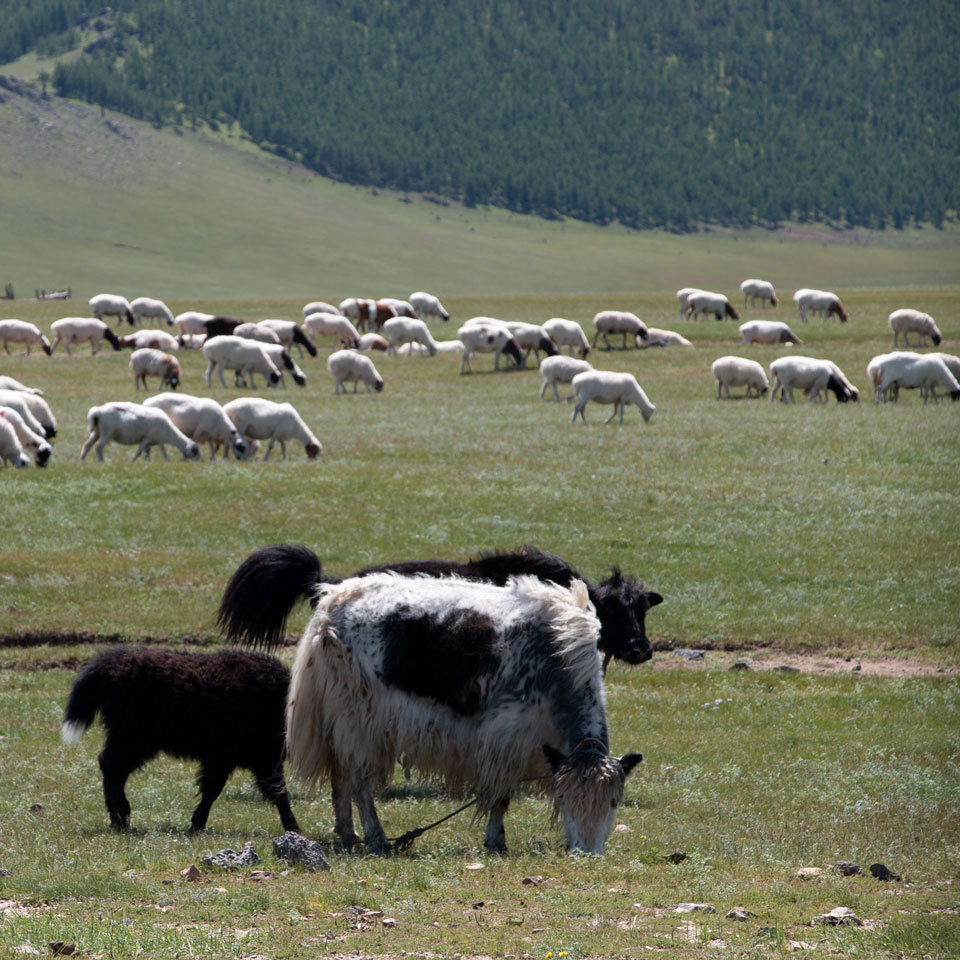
x=264, y=590
x=82, y=704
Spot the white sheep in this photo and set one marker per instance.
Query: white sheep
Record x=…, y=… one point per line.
x=479, y=336
x=952, y=362
x=112, y=305
x=426, y=304
x=192, y=323
x=10, y=383
x=154, y=339
x=191, y=341
x=618, y=321
x=234, y=353
x=253, y=331
x=761, y=290
x=291, y=335
x=569, y=334
x=401, y=330
x=10, y=449
x=739, y=372
x=560, y=369
x=348, y=366
x=924, y=371
x=258, y=419
x=284, y=361
x=532, y=338
x=683, y=295
x=363, y=312
x=875, y=372
x=664, y=338
x=403, y=307
x=22, y=331
x=29, y=439
x=418, y=349
x=202, y=420
x=908, y=321
x=33, y=408
x=133, y=423
x=90, y=330
x=373, y=341
x=150, y=309
x=334, y=325
x=811, y=375
x=819, y=301
x=147, y=362
x=605, y=386
x=318, y=306
x=767, y=331
x=707, y=302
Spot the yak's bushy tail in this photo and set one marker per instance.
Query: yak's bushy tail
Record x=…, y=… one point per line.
x=264, y=590
x=82, y=704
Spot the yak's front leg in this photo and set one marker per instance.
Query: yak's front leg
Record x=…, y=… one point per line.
x=372, y=828
x=494, y=838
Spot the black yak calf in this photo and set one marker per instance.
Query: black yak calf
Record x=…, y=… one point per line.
x=225, y=709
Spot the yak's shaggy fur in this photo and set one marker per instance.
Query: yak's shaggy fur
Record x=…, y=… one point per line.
x=224, y=709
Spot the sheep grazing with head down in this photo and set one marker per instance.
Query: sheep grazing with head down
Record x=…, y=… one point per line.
x=761, y=290
x=569, y=334
x=20, y=331
x=487, y=335
x=560, y=369
x=10, y=450
x=604, y=386
x=259, y=419
x=907, y=321
x=244, y=356
x=192, y=323
x=618, y=321
x=348, y=366
x=151, y=339
x=663, y=338
x=427, y=305
x=90, y=330
x=34, y=410
x=11, y=383
x=338, y=327
x=224, y=709
x=708, y=303
x=819, y=301
x=112, y=305
x=146, y=308
x=813, y=376
x=767, y=331
x=683, y=294
x=203, y=420
x=739, y=372
x=291, y=335
x=134, y=423
x=318, y=306
x=154, y=363
x=925, y=372
x=401, y=330
x=28, y=438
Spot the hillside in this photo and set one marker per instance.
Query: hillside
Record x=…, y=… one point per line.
x=103, y=202
x=647, y=114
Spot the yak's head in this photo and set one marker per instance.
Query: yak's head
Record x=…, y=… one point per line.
x=621, y=605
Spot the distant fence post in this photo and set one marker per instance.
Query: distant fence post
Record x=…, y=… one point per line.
x=8, y=292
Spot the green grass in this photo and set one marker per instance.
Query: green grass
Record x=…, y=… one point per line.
x=786, y=771
x=798, y=527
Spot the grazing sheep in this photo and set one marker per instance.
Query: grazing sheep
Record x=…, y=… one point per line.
x=923, y=371
x=363, y=312
x=27, y=437
x=133, y=423
x=284, y=361
x=20, y=331
x=154, y=339
x=418, y=349
x=319, y=306
x=150, y=309
x=82, y=330
x=400, y=330
x=814, y=377
x=767, y=331
x=426, y=304
x=683, y=295
x=532, y=338
x=225, y=709
x=191, y=341
x=337, y=326
x=258, y=419
x=819, y=301
x=560, y=369
x=952, y=362
x=244, y=356
x=112, y=305
x=147, y=362
x=403, y=307
x=479, y=336
x=348, y=366
x=373, y=341
x=10, y=450
x=253, y=331
x=706, y=302
x=291, y=335
x=618, y=321
x=604, y=386
x=569, y=334
x=33, y=408
x=10, y=383
x=202, y=420
x=739, y=372
x=908, y=321
x=875, y=373
x=663, y=338
x=761, y=290
x=192, y=323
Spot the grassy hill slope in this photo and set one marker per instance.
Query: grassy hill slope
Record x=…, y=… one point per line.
x=97, y=201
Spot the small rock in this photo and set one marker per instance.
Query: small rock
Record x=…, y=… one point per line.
x=26, y=950
x=839, y=917
x=36, y=808
x=767, y=932
x=389, y=922
x=693, y=908
x=744, y=663
x=62, y=949
x=622, y=828
x=292, y=847
x=678, y=856
x=474, y=866
x=848, y=868
x=258, y=875
x=688, y=654
x=740, y=913
x=231, y=860
x=534, y=881
x=191, y=873
x=5, y=872
x=809, y=873
x=883, y=872
x=786, y=668
x=515, y=921
x=800, y=945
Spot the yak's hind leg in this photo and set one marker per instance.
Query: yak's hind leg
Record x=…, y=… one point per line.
x=274, y=788
x=117, y=761
x=372, y=828
x=494, y=838
x=211, y=782
x=342, y=797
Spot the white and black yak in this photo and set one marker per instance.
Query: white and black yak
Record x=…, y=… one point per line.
x=480, y=685
x=225, y=709
x=272, y=579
